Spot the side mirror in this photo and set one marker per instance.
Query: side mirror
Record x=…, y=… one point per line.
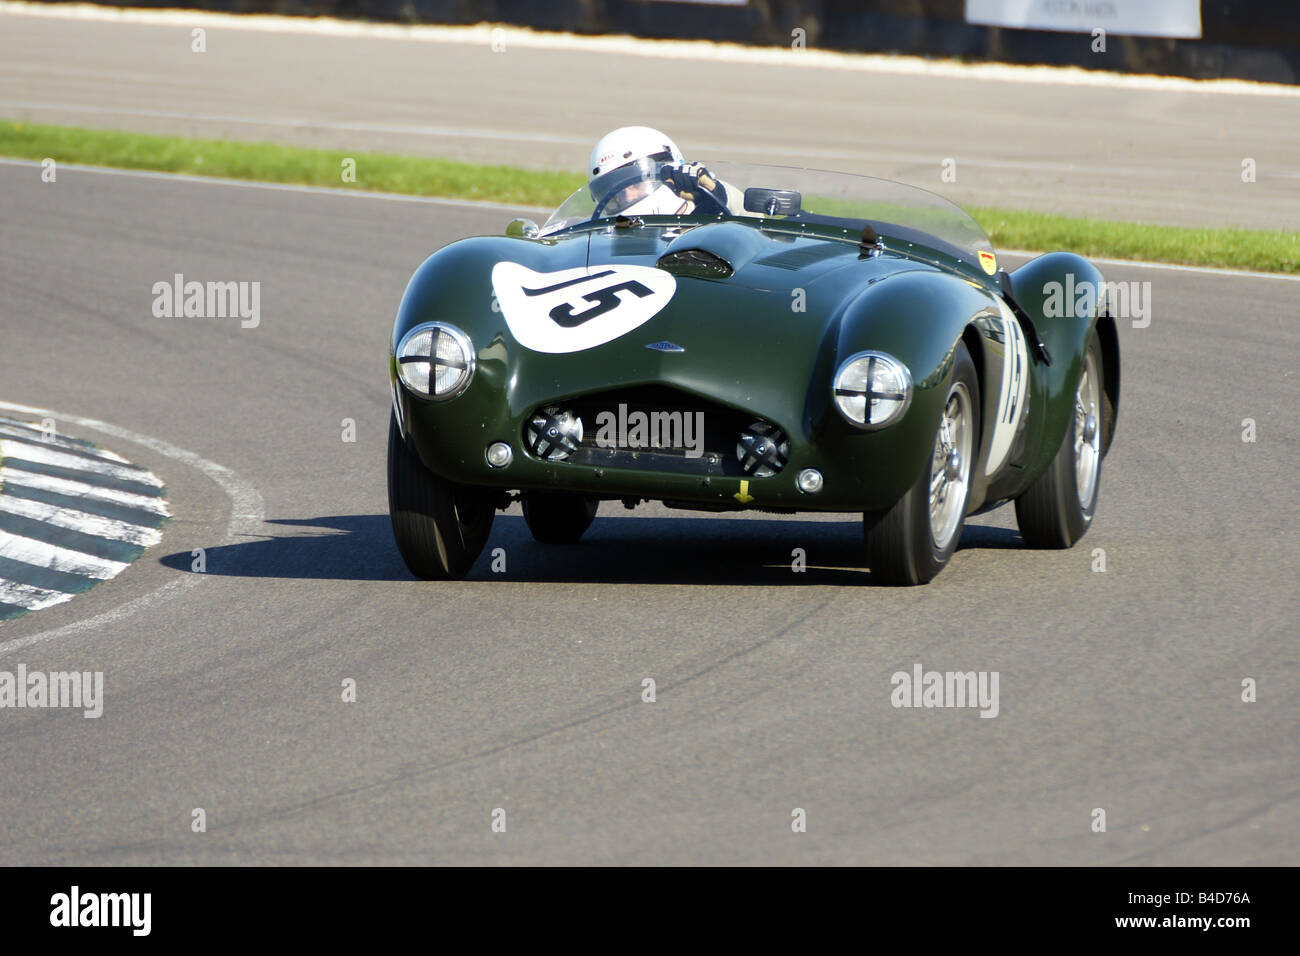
x=522, y=228
x=773, y=202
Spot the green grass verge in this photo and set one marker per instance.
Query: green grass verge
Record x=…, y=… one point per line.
x=270, y=162
x=1262, y=250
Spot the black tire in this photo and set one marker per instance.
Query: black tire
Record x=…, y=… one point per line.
x=1050, y=514
x=440, y=527
x=559, y=518
x=900, y=543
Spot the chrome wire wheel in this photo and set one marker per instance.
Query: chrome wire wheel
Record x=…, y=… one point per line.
x=950, y=466
x=1087, y=432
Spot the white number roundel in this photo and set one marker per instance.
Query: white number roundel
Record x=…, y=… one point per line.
x=577, y=309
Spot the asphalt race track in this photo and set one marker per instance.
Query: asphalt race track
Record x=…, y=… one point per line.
x=522, y=690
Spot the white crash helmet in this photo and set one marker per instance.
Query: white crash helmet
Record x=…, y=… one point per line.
x=628, y=144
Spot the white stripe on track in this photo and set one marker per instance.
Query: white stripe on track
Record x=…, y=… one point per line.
x=285, y=187
x=17, y=430
x=46, y=555
x=30, y=596
x=474, y=203
x=1167, y=266
x=81, y=521
x=247, y=514
x=81, y=489
x=62, y=459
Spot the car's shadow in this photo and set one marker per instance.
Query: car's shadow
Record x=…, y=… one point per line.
x=662, y=550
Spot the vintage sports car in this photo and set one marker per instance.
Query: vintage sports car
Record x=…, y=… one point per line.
x=843, y=344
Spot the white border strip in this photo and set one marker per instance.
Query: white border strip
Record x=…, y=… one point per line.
x=72, y=520
x=281, y=187
x=247, y=513
x=487, y=34
x=710, y=150
x=85, y=490
x=480, y=204
x=44, y=454
x=1169, y=267
x=29, y=596
x=42, y=554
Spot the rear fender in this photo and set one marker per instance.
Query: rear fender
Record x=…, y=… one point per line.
x=1063, y=294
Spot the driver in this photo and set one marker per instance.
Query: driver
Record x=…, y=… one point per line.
x=680, y=187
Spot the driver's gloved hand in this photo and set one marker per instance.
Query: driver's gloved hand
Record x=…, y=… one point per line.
x=690, y=180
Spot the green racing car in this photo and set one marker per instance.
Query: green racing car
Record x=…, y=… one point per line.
x=819, y=342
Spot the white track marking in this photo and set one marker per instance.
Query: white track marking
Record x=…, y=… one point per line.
x=283, y=187
x=246, y=519
x=709, y=150
x=81, y=489
x=353, y=126
x=484, y=35
x=70, y=520
x=50, y=456
x=16, y=444
x=475, y=204
x=30, y=596
x=46, y=555
x=9, y=429
x=1169, y=267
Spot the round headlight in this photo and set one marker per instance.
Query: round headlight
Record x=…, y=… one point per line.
x=872, y=389
x=435, y=360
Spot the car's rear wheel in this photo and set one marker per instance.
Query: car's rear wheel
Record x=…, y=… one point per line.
x=558, y=518
x=1058, y=507
x=912, y=541
x=440, y=527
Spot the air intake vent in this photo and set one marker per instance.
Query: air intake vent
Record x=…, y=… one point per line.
x=696, y=264
x=763, y=449
x=553, y=433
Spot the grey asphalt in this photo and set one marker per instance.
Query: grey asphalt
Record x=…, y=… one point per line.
x=522, y=690
x=1118, y=153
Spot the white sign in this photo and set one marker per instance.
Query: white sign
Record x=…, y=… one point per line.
x=1142, y=18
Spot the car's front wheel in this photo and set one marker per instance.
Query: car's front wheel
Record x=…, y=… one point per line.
x=440, y=527
x=1058, y=507
x=912, y=541
x=558, y=518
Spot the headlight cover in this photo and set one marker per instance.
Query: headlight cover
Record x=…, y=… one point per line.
x=872, y=390
x=435, y=360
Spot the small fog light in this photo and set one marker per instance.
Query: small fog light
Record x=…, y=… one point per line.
x=499, y=454
x=809, y=481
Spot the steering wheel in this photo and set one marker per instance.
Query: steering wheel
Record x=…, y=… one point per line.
x=705, y=202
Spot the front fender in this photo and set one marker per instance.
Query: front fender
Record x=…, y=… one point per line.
x=918, y=317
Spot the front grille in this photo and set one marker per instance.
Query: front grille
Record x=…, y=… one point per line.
x=658, y=428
